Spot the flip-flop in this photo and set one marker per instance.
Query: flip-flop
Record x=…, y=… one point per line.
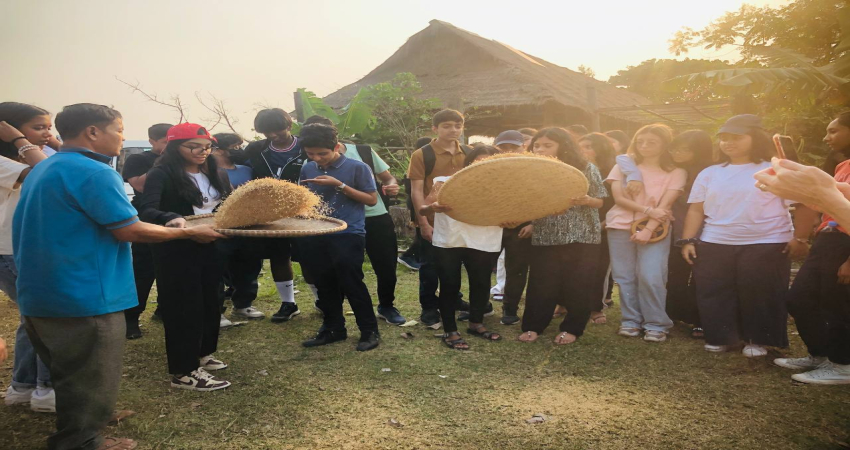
x=563, y=335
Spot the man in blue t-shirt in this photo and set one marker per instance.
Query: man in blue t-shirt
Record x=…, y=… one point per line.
x=335, y=261
x=70, y=237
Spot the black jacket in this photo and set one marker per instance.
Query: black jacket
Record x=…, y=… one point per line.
x=255, y=155
x=160, y=203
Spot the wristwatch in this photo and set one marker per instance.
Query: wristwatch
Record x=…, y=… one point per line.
x=681, y=242
x=340, y=188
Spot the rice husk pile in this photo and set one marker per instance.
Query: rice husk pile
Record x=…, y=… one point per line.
x=266, y=200
x=512, y=187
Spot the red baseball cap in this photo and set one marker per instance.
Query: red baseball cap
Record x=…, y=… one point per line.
x=188, y=131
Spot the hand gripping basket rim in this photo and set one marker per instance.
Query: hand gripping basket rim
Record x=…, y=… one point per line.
x=315, y=227
x=512, y=189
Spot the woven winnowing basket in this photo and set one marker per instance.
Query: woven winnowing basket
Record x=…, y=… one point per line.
x=263, y=201
x=285, y=227
x=512, y=189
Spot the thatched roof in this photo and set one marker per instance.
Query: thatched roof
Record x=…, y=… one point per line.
x=465, y=70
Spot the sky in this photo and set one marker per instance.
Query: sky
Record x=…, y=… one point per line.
x=254, y=53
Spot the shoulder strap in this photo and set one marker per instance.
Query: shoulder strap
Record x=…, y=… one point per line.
x=429, y=158
x=465, y=149
x=365, y=153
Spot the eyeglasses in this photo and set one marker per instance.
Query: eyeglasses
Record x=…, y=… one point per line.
x=198, y=150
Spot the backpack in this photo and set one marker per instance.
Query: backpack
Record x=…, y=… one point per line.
x=365, y=153
x=429, y=157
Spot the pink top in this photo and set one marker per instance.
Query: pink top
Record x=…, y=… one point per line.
x=656, y=182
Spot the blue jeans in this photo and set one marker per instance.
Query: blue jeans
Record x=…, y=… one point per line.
x=28, y=370
x=641, y=272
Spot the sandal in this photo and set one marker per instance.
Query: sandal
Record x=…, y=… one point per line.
x=598, y=318
x=481, y=332
x=111, y=443
x=697, y=333
x=529, y=337
x=565, y=338
x=455, y=344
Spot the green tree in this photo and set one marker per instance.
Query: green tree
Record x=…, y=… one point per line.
x=401, y=117
x=647, y=77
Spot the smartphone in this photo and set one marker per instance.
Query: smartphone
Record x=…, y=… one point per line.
x=784, y=146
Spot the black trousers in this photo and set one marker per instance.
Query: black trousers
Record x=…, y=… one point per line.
x=335, y=262
x=84, y=355
x=517, y=255
x=382, y=248
x=820, y=306
x=242, y=267
x=429, y=281
x=681, y=290
x=479, y=269
x=741, y=293
x=187, y=278
x=602, y=275
x=561, y=274
x=144, y=276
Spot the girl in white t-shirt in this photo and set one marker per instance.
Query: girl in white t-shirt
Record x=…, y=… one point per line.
x=186, y=181
x=459, y=244
x=741, y=260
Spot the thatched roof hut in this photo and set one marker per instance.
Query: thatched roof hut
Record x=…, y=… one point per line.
x=465, y=71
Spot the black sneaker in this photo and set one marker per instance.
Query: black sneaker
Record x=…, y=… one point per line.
x=133, y=330
x=368, y=341
x=391, y=315
x=509, y=317
x=464, y=315
x=431, y=318
x=325, y=337
x=409, y=262
x=287, y=311
x=198, y=380
x=462, y=305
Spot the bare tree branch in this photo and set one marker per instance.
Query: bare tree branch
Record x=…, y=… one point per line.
x=218, y=107
x=175, y=102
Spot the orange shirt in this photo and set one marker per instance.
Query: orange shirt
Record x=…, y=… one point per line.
x=842, y=175
x=445, y=165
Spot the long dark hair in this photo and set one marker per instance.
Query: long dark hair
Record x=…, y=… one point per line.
x=478, y=151
x=173, y=163
x=568, y=151
x=763, y=148
x=621, y=137
x=17, y=114
x=699, y=142
x=606, y=156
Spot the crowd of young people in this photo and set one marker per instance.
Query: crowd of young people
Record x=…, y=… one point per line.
x=723, y=267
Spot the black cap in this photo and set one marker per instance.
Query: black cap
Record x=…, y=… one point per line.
x=741, y=124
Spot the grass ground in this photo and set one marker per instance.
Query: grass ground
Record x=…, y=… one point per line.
x=604, y=392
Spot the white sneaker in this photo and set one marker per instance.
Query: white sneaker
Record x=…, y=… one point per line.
x=629, y=332
x=43, y=400
x=224, y=322
x=210, y=363
x=754, y=351
x=808, y=363
x=248, y=313
x=716, y=348
x=16, y=397
x=827, y=373
x=654, y=336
